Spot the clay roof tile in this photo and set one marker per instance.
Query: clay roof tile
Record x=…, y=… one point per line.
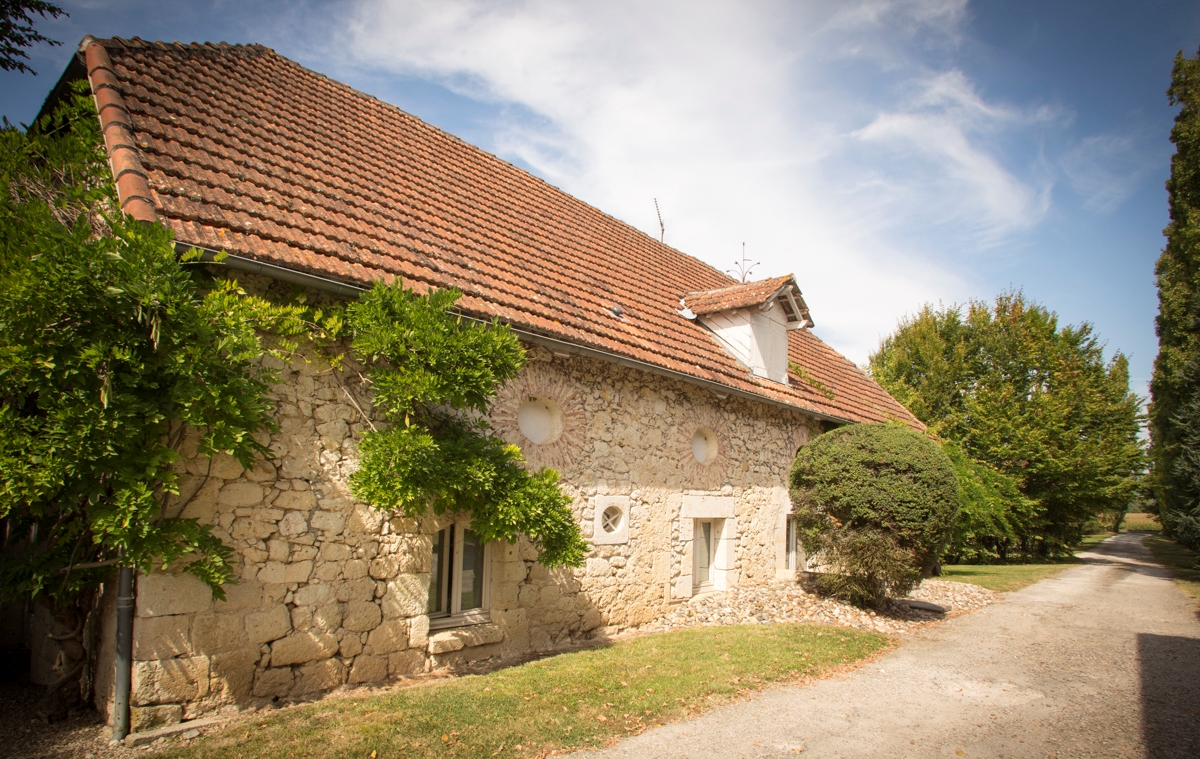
x=249, y=152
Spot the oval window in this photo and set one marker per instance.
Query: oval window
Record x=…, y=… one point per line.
x=704, y=445
x=540, y=420
x=610, y=520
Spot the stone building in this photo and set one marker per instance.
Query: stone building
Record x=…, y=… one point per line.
x=671, y=398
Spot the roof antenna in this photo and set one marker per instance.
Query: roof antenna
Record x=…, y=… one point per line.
x=662, y=229
x=743, y=271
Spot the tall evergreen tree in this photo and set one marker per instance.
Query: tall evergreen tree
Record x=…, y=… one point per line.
x=1175, y=387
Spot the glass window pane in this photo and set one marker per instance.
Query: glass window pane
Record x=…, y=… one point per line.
x=472, y=572
x=703, y=549
x=437, y=578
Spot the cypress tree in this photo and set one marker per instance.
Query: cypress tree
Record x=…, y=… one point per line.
x=1175, y=386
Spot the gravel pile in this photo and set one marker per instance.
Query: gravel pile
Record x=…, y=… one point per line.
x=789, y=602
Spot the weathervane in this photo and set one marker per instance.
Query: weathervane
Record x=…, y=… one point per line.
x=743, y=270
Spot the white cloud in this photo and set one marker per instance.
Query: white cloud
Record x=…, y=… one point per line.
x=817, y=133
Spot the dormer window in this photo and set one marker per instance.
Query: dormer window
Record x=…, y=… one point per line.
x=751, y=321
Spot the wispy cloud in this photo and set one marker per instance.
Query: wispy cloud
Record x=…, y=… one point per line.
x=825, y=135
x=1106, y=169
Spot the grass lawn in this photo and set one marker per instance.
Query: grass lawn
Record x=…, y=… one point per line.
x=1007, y=577
x=1179, y=560
x=1001, y=577
x=572, y=700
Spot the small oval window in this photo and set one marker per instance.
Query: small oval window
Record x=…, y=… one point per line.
x=704, y=445
x=540, y=420
x=610, y=520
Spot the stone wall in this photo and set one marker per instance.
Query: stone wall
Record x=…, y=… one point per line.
x=331, y=592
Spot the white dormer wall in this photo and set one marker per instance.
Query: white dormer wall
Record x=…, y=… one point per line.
x=755, y=337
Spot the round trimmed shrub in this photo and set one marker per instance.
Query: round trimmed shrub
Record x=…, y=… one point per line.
x=875, y=504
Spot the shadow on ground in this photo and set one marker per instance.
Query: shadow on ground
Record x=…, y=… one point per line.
x=1170, y=675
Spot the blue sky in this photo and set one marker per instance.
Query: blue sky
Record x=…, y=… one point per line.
x=887, y=153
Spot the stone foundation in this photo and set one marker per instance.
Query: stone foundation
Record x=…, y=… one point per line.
x=331, y=592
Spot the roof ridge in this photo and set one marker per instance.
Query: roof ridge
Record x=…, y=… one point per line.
x=133, y=186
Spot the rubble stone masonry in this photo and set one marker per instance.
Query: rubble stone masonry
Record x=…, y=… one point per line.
x=331, y=592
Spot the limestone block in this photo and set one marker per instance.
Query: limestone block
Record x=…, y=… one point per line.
x=142, y=718
x=292, y=524
x=328, y=572
x=369, y=669
x=240, y=596
x=389, y=637
x=362, y=616
x=528, y=596
x=598, y=568
x=339, y=552
x=355, y=568
x=202, y=505
x=225, y=467
x=328, y=617
x=322, y=676
x=303, y=647
x=408, y=662
x=365, y=520
x=418, y=631
x=263, y=471
x=286, y=574
x=244, y=528
x=273, y=682
x=465, y=637
x=170, y=681
x=406, y=596
x=303, y=552
x=333, y=433
x=213, y=633
x=237, y=494
x=386, y=567
x=360, y=589
x=312, y=595
x=590, y=620
x=329, y=522
x=232, y=672
x=269, y=625
x=298, y=500
x=708, y=507
x=164, y=594
x=161, y=637
x=350, y=646
x=278, y=550
x=302, y=617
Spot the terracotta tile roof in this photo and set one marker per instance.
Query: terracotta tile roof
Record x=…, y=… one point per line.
x=735, y=296
x=748, y=294
x=248, y=152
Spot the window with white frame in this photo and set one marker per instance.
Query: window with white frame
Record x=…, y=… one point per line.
x=704, y=553
x=791, y=543
x=458, y=581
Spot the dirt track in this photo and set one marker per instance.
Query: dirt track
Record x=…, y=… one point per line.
x=1102, y=660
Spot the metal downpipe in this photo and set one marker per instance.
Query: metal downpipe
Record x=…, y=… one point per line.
x=124, y=673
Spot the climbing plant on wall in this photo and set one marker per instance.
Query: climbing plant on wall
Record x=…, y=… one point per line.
x=111, y=349
x=434, y=374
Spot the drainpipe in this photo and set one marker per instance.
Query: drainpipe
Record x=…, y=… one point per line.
x=124, y=671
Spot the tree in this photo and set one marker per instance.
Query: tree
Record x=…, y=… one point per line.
x=1175, y=386
x=1029, y=403
x=876, y=504
x=17, y=32
x=434, y=375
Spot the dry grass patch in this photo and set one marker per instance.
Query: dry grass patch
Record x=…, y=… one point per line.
x=1140, y=522
x=569, y=701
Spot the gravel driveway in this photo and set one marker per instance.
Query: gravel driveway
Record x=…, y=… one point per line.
x=1102, y=660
